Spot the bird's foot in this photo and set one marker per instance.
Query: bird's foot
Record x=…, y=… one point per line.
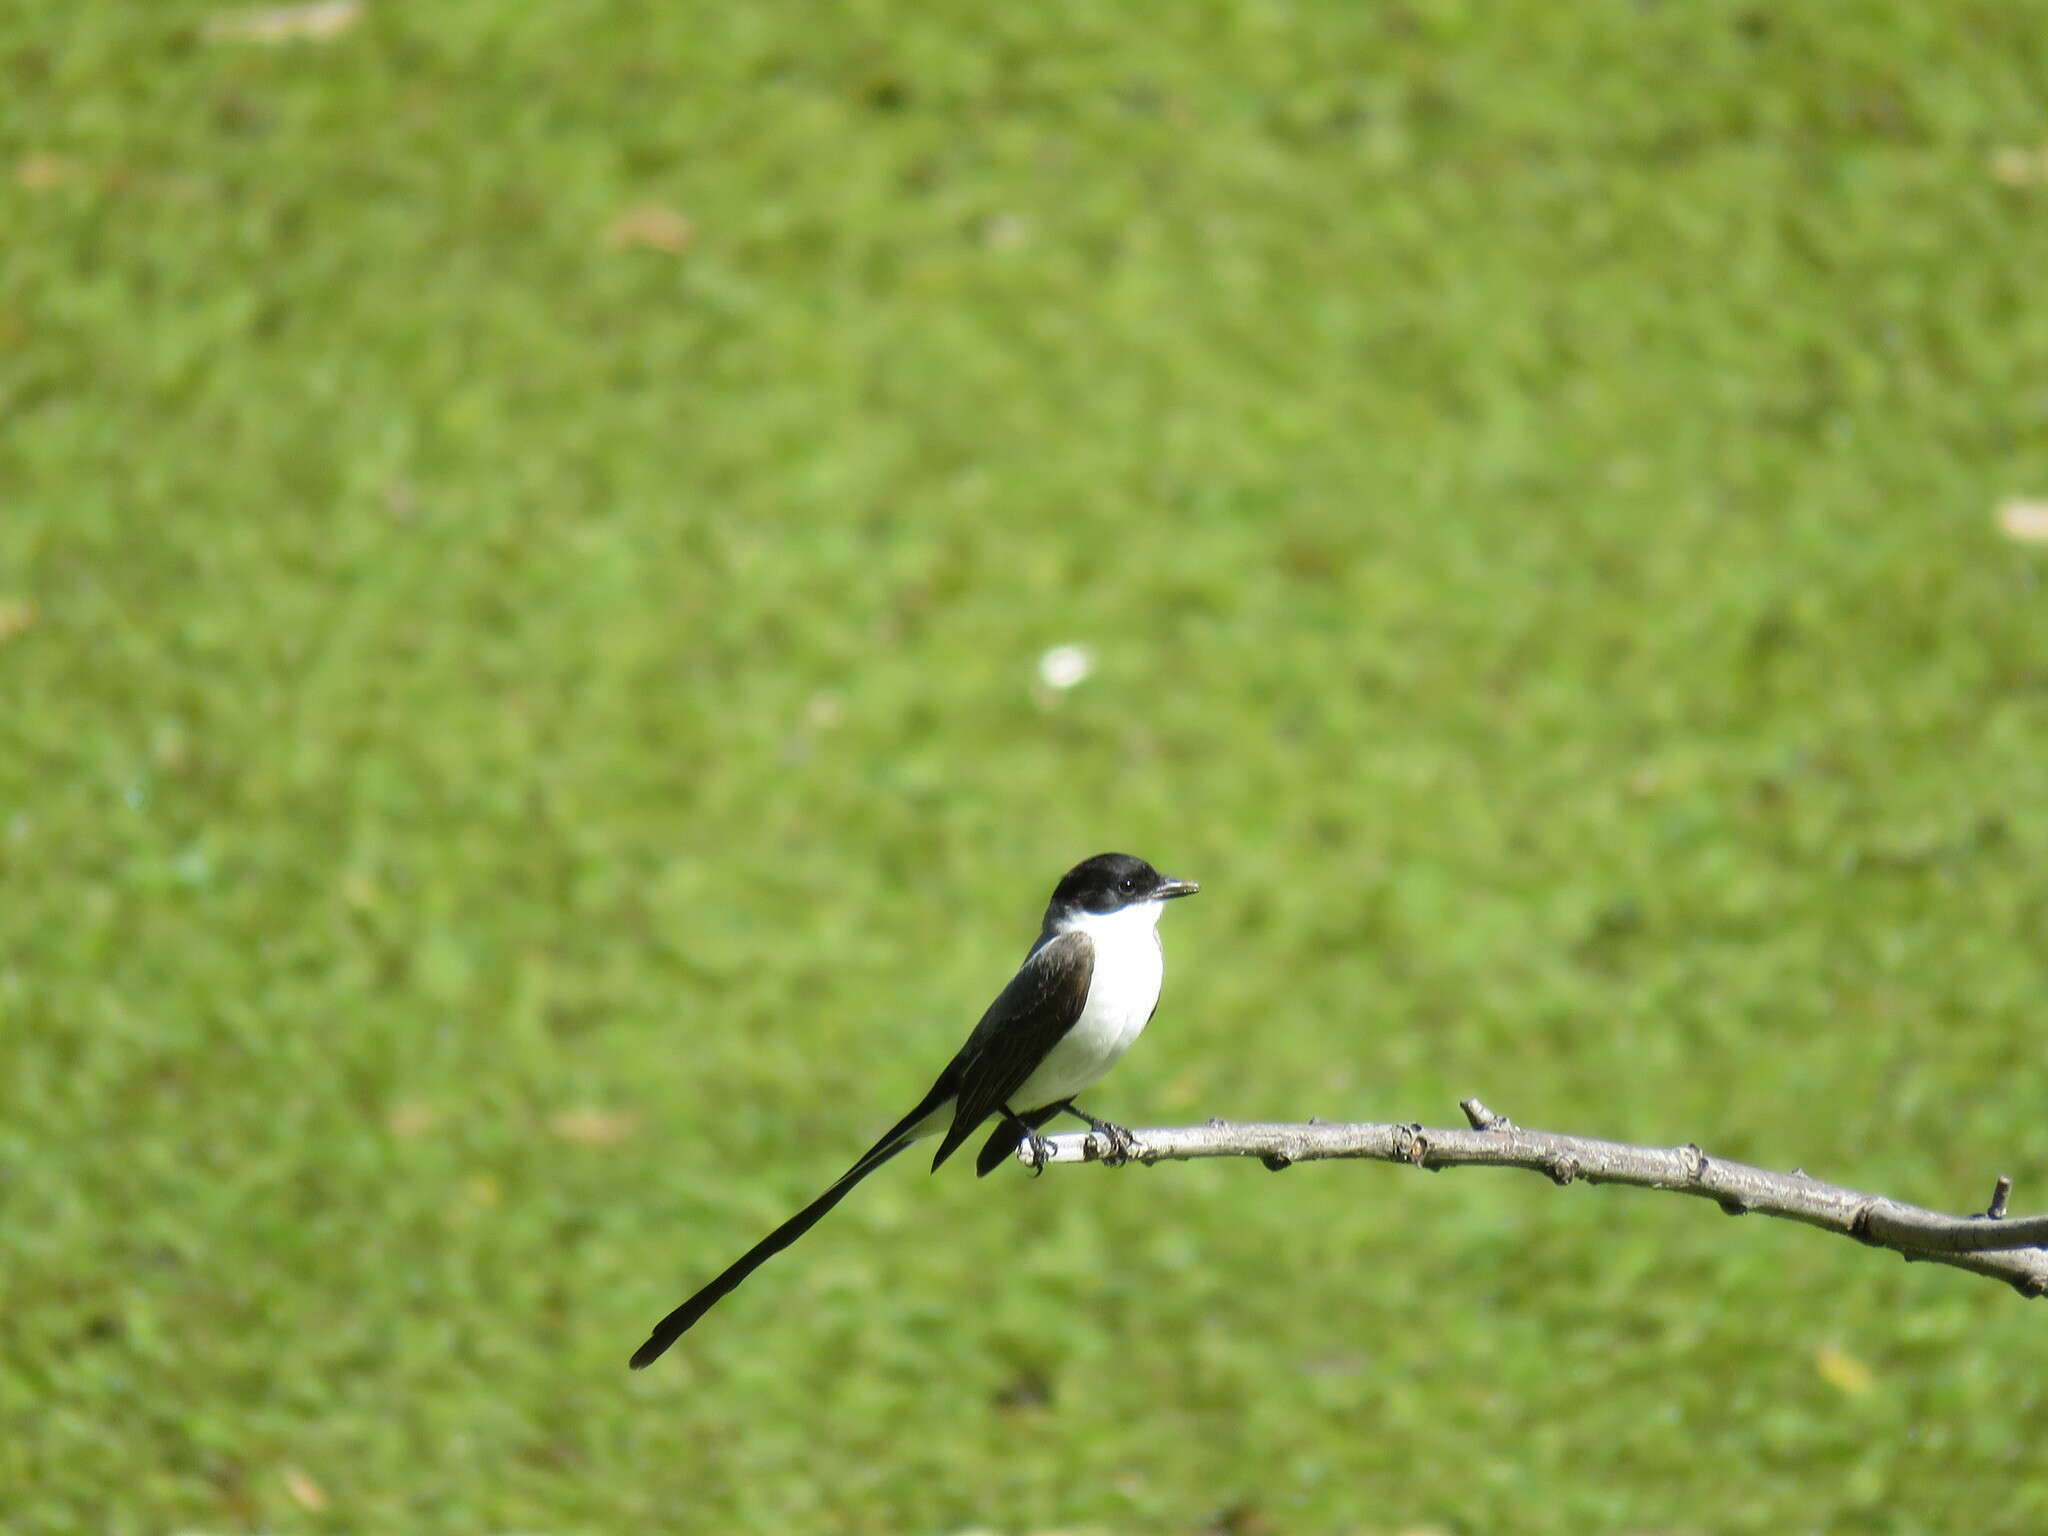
x=1118, y=1143
x=1037, y=1151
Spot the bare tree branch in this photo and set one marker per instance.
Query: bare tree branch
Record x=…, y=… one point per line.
x=2012, y=1249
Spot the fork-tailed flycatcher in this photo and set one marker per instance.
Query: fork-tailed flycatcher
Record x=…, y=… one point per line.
x=1081, y=997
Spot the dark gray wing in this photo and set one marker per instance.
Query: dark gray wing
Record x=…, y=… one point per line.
x=1031, y=1016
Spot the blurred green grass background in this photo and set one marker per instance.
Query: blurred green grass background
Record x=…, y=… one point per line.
x=525, y=537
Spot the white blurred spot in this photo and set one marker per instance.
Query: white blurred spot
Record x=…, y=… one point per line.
x=2025, y=521
x=1065, y=665
x=317, y=22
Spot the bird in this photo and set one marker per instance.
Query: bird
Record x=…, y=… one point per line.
x=1086, y=990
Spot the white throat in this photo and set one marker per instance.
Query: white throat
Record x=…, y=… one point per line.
x=1114, y=930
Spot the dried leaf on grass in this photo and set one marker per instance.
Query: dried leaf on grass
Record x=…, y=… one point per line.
x=1843, y=1371
x=650, y=227
x=2019, y=166
x=594, y=1127
x=411, y=1120
x=305, y=1493
x=40, y=172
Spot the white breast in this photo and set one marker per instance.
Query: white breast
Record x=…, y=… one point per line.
x=1122, y=992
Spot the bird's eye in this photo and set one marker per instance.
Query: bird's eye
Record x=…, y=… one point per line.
x=1130, y=882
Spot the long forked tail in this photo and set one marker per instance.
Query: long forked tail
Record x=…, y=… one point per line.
x=680, y=1321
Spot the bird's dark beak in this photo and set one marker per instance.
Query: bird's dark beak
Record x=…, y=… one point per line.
x=1168, y=889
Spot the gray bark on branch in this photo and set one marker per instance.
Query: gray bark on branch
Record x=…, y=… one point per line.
x=2012, y=1249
